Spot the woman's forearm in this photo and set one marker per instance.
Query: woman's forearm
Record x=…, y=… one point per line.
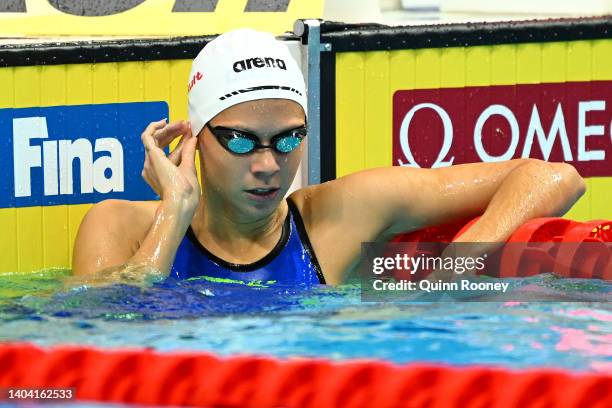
x=158, y=249
x=156, y=253
x=534, y=189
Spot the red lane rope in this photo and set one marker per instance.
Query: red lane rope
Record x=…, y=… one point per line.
x=586, y=251
x=197, y=379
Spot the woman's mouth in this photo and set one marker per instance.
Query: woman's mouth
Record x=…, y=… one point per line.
x=262, y=194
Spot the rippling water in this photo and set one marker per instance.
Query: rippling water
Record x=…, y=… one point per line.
x=324, y=322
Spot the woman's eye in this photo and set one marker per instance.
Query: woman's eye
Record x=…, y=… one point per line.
x=241, y=144
x=288, y=143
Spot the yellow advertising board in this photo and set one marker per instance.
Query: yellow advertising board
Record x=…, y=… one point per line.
x=82, y=107
x=551, y=100
x=71, y=113
x=150, y=17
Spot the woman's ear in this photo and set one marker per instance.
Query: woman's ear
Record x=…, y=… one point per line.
x=198, y=136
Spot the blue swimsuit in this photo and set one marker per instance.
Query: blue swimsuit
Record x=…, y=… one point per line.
x=291, y=262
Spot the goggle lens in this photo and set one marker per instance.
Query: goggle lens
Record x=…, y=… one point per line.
x=287, y=144
x=241, y=143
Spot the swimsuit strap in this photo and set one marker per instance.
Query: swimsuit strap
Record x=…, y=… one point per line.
x=301, y=229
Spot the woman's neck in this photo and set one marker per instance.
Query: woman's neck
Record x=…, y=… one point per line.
x=216, y=224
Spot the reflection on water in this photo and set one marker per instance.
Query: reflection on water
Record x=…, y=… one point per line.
x=326, y=322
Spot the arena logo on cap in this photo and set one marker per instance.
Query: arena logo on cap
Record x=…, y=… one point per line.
x=564, y=122
x=74, y=154
x=269, y=62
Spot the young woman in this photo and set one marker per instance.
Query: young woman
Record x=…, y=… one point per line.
x=247, y=104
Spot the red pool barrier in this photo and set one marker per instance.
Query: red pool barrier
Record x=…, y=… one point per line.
x=198, y=379
x=587, y=248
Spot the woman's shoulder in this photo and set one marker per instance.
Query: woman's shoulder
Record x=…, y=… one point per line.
x=124, y=211
x=121, y=218
x=313, y=202
x=301, y=199
x=111, y=232
x=313, y=205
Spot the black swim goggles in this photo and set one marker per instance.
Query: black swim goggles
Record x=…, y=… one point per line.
x=240, y=142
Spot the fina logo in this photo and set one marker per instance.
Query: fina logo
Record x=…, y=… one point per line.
x=251, y=63
x=57, y=168
x=76, y=154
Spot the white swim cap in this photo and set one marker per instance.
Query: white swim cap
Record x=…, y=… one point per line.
x=239, y=66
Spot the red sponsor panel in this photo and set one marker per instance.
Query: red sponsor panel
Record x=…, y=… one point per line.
x=562, y=122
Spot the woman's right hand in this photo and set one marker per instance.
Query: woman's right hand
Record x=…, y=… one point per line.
x=173, y=177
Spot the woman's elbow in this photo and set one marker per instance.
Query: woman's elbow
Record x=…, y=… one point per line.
x=559, y=183
x=569, y=179
x=569, y=184
x=563, y=176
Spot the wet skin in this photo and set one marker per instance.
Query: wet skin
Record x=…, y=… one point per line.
x=129, y=240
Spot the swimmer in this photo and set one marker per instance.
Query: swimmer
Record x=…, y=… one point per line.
x=247, y=122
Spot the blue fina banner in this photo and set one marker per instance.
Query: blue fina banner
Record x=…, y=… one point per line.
x=74, y=154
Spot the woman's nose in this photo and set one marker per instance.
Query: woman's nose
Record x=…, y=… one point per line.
x=264, y=162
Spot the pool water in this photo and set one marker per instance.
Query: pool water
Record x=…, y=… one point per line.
x=334, y=323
